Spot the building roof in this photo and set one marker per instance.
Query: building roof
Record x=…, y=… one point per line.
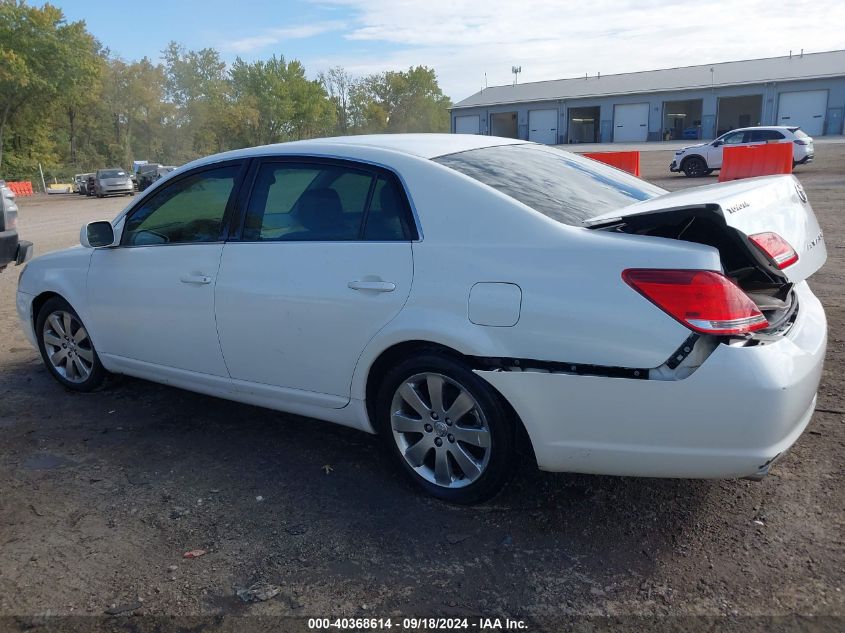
x=750, y=71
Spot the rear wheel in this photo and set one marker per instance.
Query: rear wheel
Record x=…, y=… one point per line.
x=447, y=428
x=695, y=167
x=66, y=348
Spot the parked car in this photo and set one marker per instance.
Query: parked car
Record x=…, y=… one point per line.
x=113, y=181
x=455, y=294
x=691, y=133
x=12, y=249
x=705, y=158
x=148, y=174
x=81, y=181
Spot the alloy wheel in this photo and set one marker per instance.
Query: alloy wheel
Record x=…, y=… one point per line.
x=440, y=430
x=68, y=347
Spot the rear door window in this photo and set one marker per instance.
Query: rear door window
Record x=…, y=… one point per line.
x=304, y=202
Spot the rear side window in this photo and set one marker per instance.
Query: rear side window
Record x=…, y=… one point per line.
x=313, y=202
x=187, y=211
x=561, y=185
x=758, y=136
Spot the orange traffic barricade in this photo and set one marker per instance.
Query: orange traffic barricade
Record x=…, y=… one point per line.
x=626, y=161
x=20, y=189
x=756, y=160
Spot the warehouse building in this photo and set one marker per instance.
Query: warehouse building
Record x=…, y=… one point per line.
x=695, y=102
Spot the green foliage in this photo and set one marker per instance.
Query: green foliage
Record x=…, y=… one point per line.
x=68, y=104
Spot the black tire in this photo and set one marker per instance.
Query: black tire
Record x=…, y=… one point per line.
x=502, y=437
x=97, y=375
x=694, y=167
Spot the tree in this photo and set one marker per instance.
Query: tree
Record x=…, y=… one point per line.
x=339, y=85
x=278, y=102
x=31, y=50
x=69, y=104
x=398, y=101
x=197, y=85
x=82, y=65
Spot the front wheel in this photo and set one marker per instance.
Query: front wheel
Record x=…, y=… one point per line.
x=695, y=167
x=66, y=348
x=447, y=428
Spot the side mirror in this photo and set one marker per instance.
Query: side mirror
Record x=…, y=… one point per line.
x=97, y=235
x=717, y=143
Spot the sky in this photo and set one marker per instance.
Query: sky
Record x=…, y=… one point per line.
x=470, y=42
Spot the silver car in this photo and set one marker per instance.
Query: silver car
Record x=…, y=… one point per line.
x=113, y=182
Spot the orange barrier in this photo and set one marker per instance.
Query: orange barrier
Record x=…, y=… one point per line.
x=626, y=161
x=756, y=160
x=20, y=189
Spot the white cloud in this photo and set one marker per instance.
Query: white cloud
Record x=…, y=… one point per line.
x=552, y=39
x=274, y=36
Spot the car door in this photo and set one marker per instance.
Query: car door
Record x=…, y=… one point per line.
x=152, y=297
x=715, y=151
x=322, y=262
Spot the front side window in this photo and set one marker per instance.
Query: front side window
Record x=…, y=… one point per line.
x=735, y=138
x=187, y=211
x=314, y=202
x=561, y=185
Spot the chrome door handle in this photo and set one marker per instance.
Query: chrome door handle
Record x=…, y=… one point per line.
x=195, y=279
x=373, y=286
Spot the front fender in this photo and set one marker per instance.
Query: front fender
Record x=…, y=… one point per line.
x=64, y=273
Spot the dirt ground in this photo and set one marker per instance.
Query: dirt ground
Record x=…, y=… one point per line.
x=101, y=494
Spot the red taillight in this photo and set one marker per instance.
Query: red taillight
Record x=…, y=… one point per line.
x=775, y=248
x=801, y=142
x=703, y=300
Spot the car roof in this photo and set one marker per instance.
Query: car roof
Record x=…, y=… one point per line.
x=779, y=128
x=421, y=145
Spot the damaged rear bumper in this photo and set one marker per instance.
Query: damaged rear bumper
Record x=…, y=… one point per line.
x=741, y=409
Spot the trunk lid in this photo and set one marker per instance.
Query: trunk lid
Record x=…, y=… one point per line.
x=723, y=216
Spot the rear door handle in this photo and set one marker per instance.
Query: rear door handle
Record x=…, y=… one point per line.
x=373, y=286
x=195, y=279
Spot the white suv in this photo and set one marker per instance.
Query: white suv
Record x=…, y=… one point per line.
x=704, y=158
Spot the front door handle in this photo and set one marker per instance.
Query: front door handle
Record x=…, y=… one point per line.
x=373, y=286
x=195, y=279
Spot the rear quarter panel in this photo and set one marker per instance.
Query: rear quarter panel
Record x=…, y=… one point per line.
x=575, y=306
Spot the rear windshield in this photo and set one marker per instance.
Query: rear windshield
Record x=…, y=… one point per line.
x=800, y=133
x=112, y=173
x=558, y=184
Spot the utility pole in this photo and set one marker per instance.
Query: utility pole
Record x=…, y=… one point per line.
x=516, y=70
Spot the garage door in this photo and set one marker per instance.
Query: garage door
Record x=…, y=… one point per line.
x=630, y=123
x=804, y=108
x=467, y=124
x=542, y=126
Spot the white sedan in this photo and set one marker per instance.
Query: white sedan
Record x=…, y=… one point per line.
x=462, y=296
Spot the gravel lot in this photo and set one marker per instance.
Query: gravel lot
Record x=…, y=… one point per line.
x=101, y=494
